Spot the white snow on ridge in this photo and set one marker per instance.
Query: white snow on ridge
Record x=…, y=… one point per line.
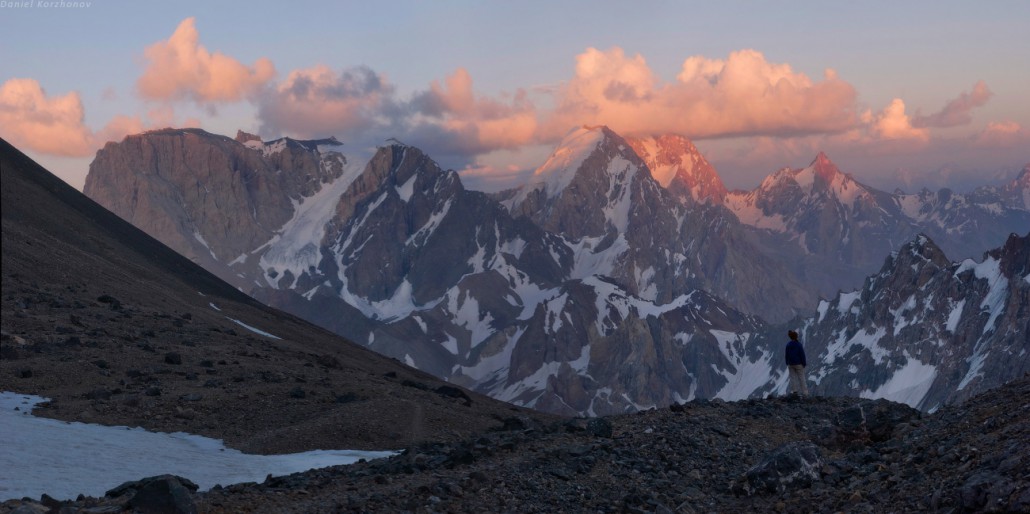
x=587, y=263
x=747, y=376
x=994, y=302
x=866, y=338
x=909, y=384
x=295, y=246
x=434, y=221
x=273, y=147
x=252, y=329
x=846, y=300
x=743, y=206
x=465, y=312
x=399, y=305
x=496, y=364
x=537, y=381
x=805, y=178
x=663, y=173
x=823, y=307
x=406, y=189
x=560, y=168
x=955, y=316
x=61, y=459
x=620, y=175
x=201, y=240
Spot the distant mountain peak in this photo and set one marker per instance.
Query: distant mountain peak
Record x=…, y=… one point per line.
x=243, y=137
x=1024, y=176
x=825, y=168
x=564, y=162
x=395, y=142
x=680, y=167
x=922, y=247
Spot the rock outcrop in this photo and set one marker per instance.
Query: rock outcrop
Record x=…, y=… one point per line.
x=209, y=197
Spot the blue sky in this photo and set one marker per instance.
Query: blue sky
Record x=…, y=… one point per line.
x=925, y=54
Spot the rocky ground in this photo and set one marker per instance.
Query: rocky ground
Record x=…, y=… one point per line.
x=773, y=455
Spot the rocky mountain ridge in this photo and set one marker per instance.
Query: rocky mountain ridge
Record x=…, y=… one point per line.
x=935, y=331
x=210, y=197
x=592, y=289
x=831, y=217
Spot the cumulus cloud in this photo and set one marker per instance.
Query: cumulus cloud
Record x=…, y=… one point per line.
x=447, y=118
x=454, y=119
x=55, y=125
x=893, y=124
x=956, y=112
x=741, y=95
x=180, y=68
x=319, y=101
x=1002, y=134
x=29, y=119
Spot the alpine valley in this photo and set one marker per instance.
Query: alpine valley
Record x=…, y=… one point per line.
x=621, y=276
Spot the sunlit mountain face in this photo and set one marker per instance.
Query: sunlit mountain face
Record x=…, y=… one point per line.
x=621, y=275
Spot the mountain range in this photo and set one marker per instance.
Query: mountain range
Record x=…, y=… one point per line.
x=622, y=275
x=116, y=328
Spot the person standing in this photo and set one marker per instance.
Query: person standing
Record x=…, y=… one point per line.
x=796, y=363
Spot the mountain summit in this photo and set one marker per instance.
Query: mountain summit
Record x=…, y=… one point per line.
x=586, y=187
x=679, y=167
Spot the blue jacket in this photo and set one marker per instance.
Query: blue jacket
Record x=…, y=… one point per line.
x=795, y=354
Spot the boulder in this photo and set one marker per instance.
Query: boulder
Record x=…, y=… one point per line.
x=790, y=466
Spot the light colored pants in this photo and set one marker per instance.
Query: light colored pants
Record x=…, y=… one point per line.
x=797, y=380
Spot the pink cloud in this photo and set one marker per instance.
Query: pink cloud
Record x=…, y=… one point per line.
x=55, y=125
x=447, y=118
x=316, y=102
x=1002, y=134
x=741, y=95
x=453, y=110
x=893, y=124
x=29, y=119
x=180, y=68
x=956, y=112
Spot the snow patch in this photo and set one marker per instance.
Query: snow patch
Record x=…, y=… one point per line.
x=295, y=248
x=252, y=329
x=846, y=300
x=560, y=168
x=200, y=239
x=909, y=384
x=406, y=189
x=955, y=316
x=427, y=230
x=61, y=459
x=746, y=376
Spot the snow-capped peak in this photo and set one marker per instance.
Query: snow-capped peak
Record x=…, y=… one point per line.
x=821, y=176
x=678, y=166
x=561, y=167
x=917, y=251
x=825, y=168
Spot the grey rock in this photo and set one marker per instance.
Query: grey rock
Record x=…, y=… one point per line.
x=790, y=466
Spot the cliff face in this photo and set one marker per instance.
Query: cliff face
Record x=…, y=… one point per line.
x=209, y=197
